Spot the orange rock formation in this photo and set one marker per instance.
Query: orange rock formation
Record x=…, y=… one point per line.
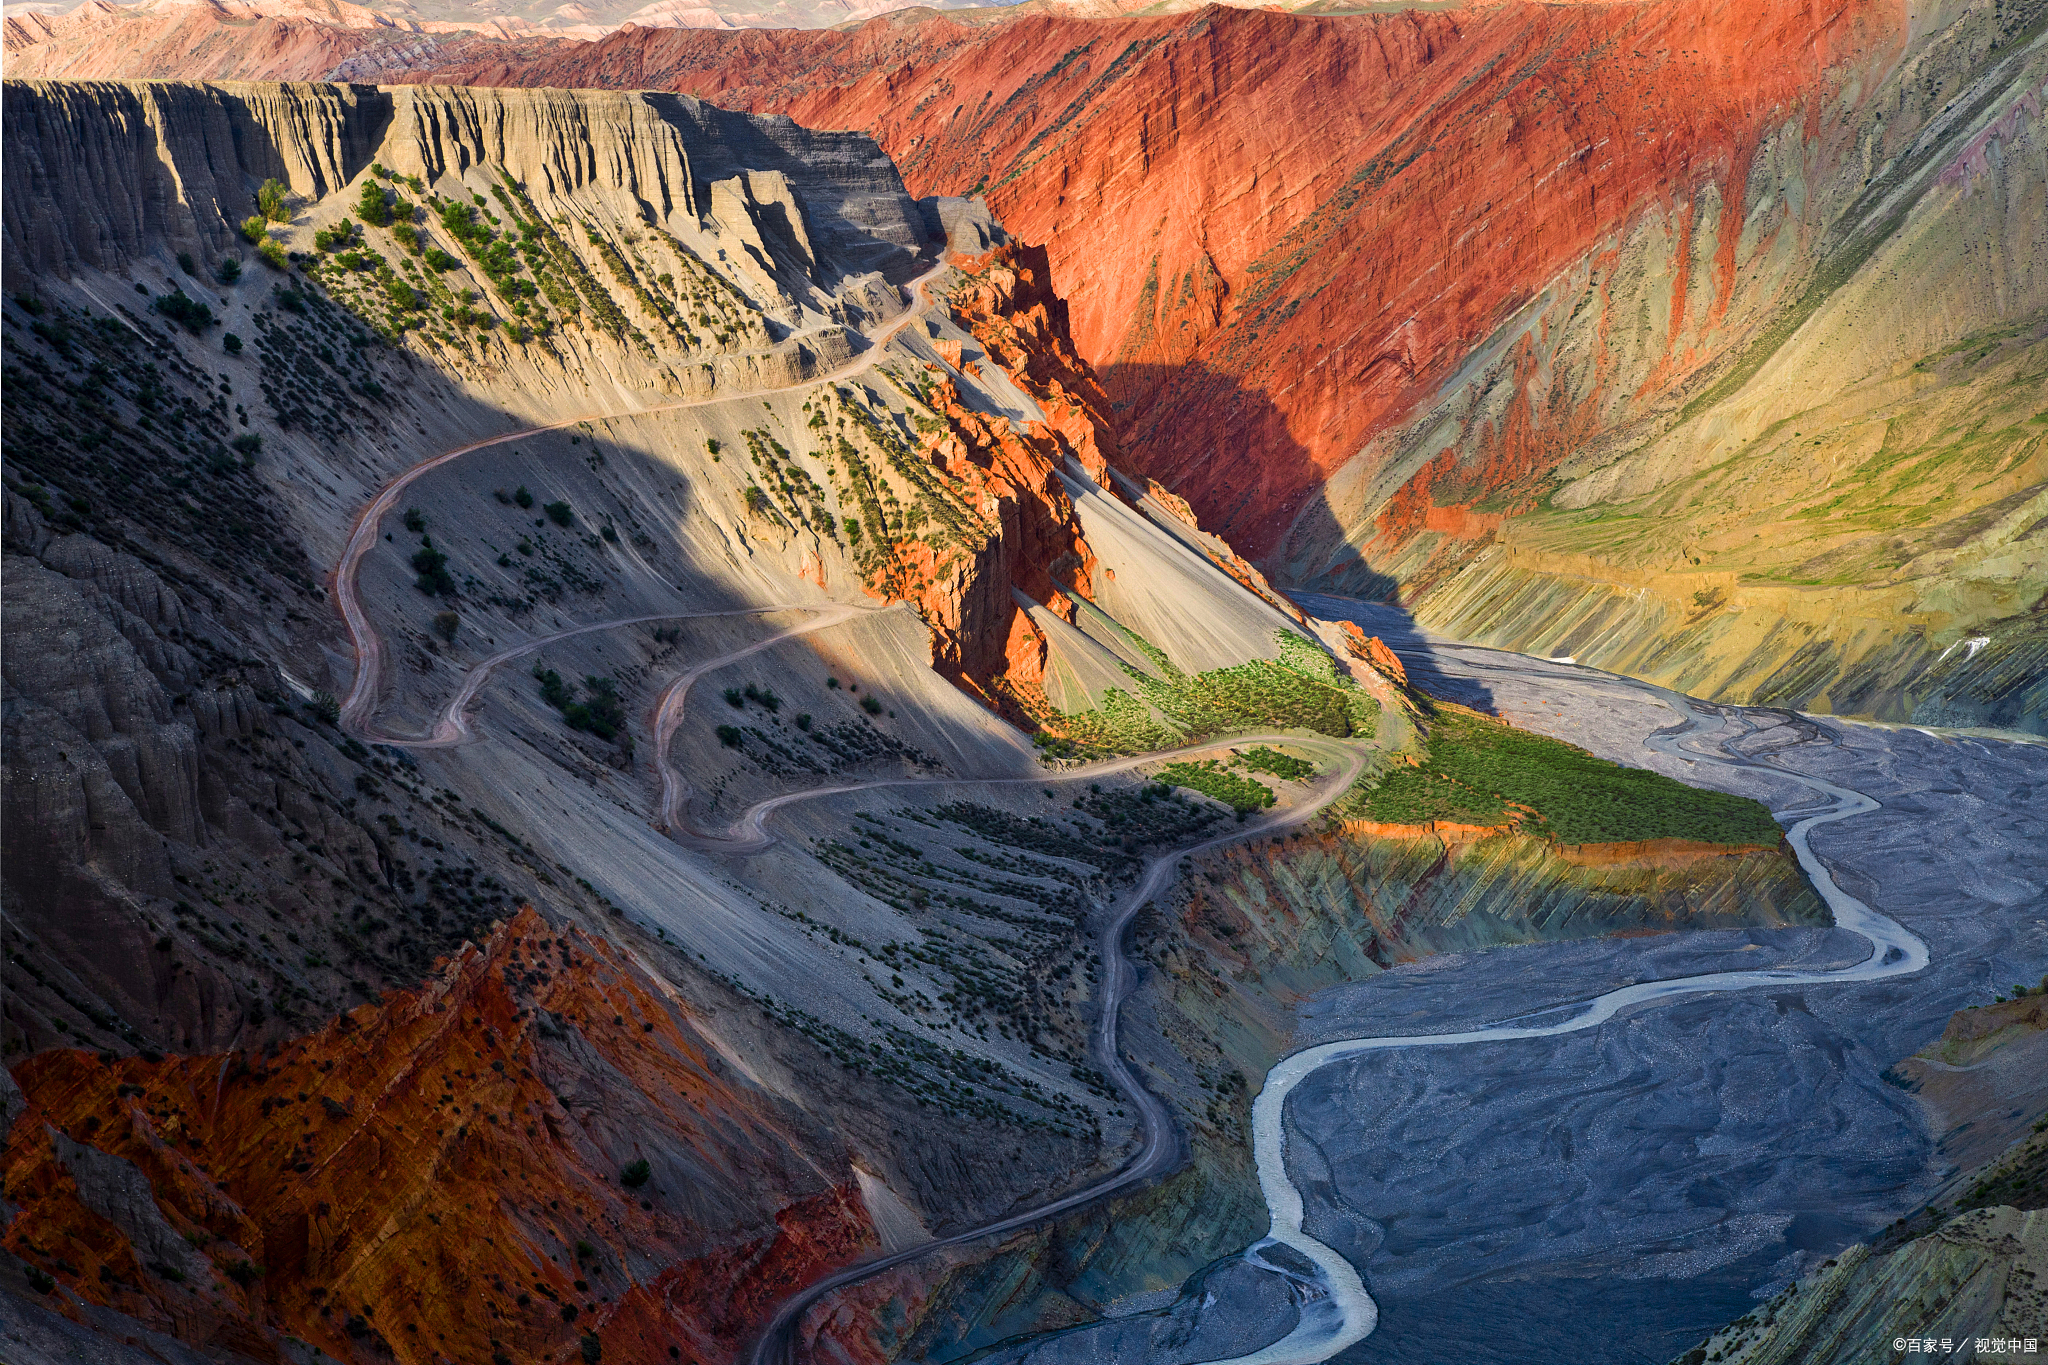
x=435, y=1176
x=1279, y=234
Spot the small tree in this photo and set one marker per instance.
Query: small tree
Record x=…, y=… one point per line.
x=592, y=1350
x=372, y=205
x=636, y=1174
x=522, y=497
x=232, y=344
x=445, y=624
x=256, y=228
x=230, y=270
x=560, y=513
x=270, y=201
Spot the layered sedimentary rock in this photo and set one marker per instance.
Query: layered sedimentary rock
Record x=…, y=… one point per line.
x=395, y=1203
x=205, y=873
x=1388, y=295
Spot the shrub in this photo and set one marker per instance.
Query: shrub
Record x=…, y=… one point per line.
x=871, y=706
x=335, y=238
x=636, y=1174
x=186, y=264
x=231, y=343
x=522, y=497
x=445, y=625
x=194, y=316
x=243, y=1273
x=409, y=237
x=273, y=255
x=591, y=1349
x=372, y=205
x=1261, y=759
x=270, y=201
x=1211, y=779
x=734, y=697
x=432, y=567
x=256, y=227
x=415, y=520
x=229, y=270
x=441, y=260
x=560, y=513
x=325, y=707
x=729, y=736
x=249, y=443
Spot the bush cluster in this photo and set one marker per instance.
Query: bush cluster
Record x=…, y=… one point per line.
x=1211, y=778
x=1477, y=767
x=601, y=713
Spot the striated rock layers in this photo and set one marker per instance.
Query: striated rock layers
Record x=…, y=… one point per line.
x=1590, y=329
x=447, y=1173
x=206, y=876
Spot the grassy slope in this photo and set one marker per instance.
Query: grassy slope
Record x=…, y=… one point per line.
x=1476, y=768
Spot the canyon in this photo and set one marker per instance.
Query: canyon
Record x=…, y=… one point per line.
x=699, y=695
x=1568, y=419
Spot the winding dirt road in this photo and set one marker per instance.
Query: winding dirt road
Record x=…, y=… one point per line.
x=362, y=694
x=1157, y=1149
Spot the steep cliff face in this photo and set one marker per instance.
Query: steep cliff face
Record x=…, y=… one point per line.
x=1830, y=497
x=628, y=323
x=1473, y=274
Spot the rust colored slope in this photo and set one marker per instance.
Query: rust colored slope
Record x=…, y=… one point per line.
x=1277, y=234
x=439, y=1175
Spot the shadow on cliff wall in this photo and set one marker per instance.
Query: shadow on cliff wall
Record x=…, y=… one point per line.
x=1173, y=419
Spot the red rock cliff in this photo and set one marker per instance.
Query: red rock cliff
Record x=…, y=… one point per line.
x=437, y=1176
x=1279, y=234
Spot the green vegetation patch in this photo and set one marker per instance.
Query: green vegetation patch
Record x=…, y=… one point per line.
x=1477, y=768
x=1300, y=690
x=1286, y=767
x=600, y=712
x=1211, y=778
